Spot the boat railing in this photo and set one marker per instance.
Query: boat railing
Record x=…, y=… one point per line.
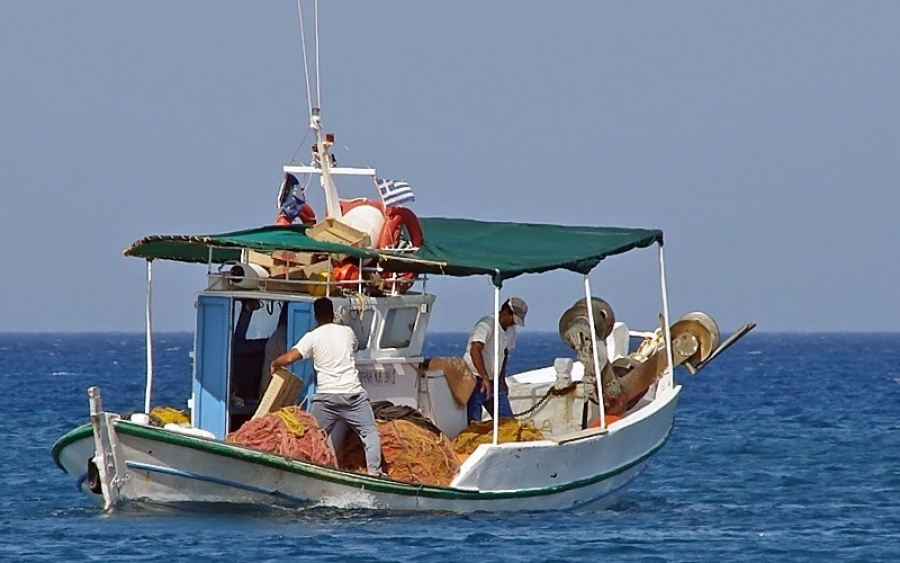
x=371, y=280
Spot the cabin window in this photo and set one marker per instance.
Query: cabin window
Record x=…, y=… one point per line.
x=399, y=324
x=361, y=323
x=263, y=320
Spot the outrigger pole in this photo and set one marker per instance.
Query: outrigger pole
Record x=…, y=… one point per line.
x=149, y=329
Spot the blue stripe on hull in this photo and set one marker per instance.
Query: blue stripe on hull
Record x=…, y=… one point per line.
x=215, y=480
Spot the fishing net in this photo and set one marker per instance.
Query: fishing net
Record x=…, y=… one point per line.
x=289, y=432
x=508, y=430
x=167, y=415
x=386, y=410
x=409, y=453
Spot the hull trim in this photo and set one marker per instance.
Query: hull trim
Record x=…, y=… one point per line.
x=342, y=477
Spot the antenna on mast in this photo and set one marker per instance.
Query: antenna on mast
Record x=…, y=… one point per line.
x=324, y=141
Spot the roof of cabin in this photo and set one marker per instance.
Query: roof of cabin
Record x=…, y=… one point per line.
x=452, y=247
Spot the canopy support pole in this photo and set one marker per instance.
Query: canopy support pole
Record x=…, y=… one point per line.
x=149, y=330
x=496, y=381
x=597, y=369
x=669, y=380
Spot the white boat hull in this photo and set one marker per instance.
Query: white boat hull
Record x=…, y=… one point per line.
x=590, y=468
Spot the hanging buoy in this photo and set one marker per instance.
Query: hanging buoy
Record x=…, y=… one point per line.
x=345, y=272
x=392, y=237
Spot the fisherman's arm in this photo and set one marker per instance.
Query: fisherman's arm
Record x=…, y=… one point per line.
x=285, y=360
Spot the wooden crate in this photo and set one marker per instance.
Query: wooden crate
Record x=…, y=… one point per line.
x=260, y=258
x=332, y=230
x=291, y=272
x=282, y=392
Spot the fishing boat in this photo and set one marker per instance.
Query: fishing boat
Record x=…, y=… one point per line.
x=603, y=414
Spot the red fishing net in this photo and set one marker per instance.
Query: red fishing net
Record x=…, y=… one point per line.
x=289, y=432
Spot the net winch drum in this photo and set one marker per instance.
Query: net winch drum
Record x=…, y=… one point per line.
x=577, y=314
x=696, y=336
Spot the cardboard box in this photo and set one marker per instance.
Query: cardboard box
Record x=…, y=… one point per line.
x=332, y=230
x=322, y=267
x=295, y=258
x=282, y=392
x=317, y=272
x=286, y=286
x=285, y=279
x=282, y=258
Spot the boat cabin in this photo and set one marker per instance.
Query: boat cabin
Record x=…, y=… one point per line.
x=240, y=331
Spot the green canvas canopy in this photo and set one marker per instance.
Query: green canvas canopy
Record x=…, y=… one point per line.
x=452, y=247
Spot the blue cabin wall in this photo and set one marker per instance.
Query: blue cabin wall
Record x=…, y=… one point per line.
x=212, y=358
x=212, y=350
x=300, y=321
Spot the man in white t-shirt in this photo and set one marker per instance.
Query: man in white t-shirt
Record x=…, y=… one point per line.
x=339, y=395
x=480, y=359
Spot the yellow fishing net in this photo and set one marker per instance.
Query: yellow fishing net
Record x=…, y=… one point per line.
x=168, y=415
x=508, y=430
x=293, y=424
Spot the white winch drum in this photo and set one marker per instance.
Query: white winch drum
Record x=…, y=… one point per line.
x=247, y=275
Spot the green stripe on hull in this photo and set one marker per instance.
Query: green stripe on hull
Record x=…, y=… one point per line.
x=338, y=476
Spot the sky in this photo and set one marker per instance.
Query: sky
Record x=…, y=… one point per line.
x=762, y=137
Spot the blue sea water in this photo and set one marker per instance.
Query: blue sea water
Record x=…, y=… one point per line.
x=786, y=448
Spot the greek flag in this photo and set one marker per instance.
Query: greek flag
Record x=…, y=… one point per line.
x=394, y=192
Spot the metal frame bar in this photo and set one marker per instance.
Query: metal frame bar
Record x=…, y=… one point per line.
x=496, y=381
x=669, y=380
x=148, y=391
x=597, y=369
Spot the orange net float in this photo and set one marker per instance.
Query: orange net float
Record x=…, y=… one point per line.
x=289, y=432
x=346, y=273
x=409, y=453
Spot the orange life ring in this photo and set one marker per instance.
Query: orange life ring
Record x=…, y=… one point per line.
x=307, y=216
x=395, y=219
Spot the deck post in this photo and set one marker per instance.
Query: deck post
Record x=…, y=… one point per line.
x=149, y=329
x=669, y=380
x=496, y=381
x=596, y=356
